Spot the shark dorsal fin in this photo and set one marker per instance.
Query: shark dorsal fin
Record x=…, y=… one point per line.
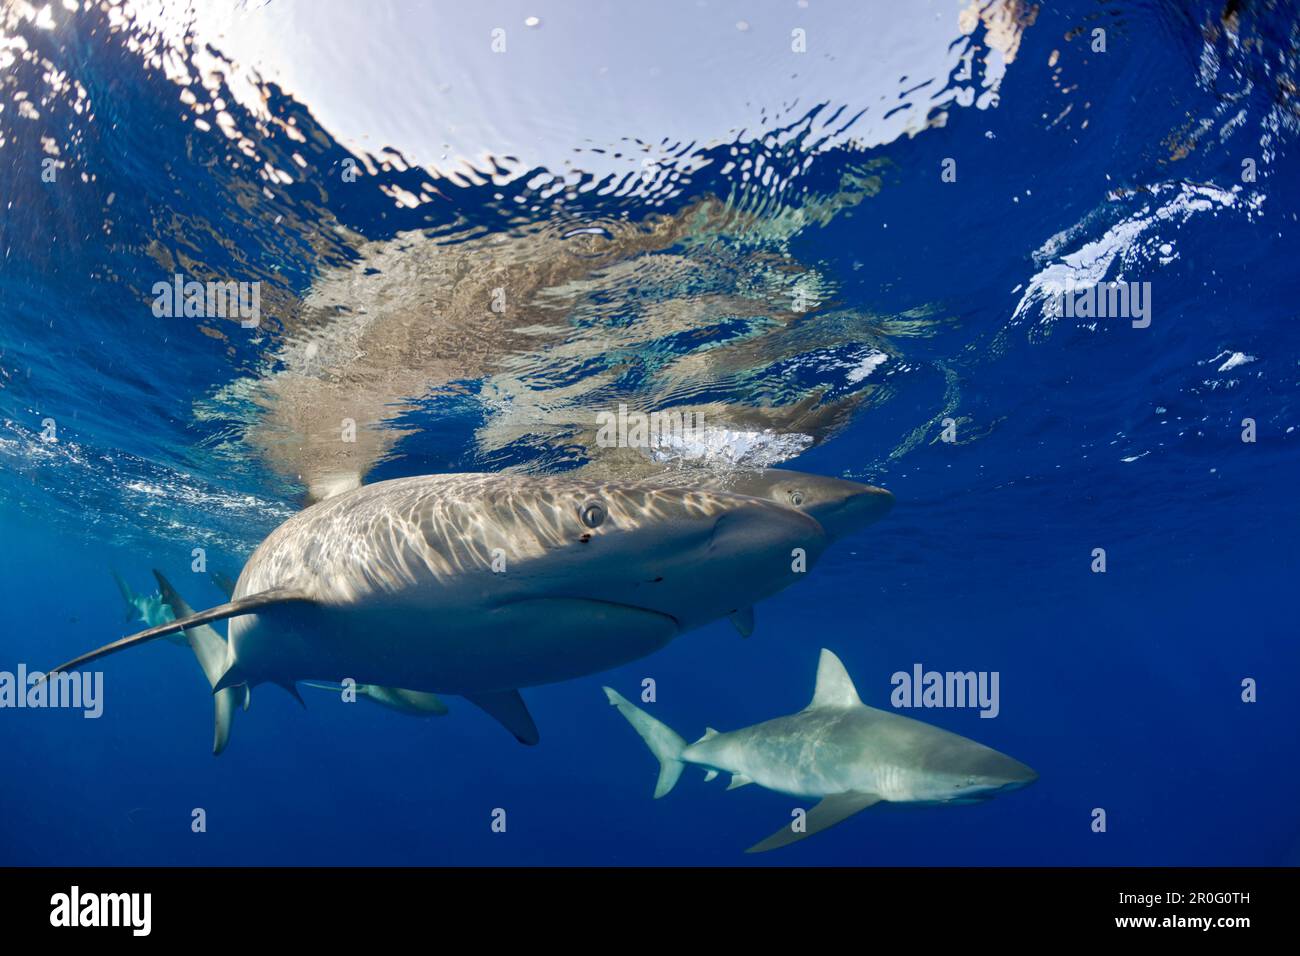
x=834, y=686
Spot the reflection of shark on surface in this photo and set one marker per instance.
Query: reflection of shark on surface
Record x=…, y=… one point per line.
x=850, y=755
x=526, y=314
x=479, y=584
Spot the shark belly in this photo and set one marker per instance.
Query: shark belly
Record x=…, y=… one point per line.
x=456, y=651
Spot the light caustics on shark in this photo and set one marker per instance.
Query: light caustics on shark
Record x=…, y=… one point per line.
x=480, y=584
x=849, y=755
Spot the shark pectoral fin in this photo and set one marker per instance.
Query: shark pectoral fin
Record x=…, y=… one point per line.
x=743, y=621
x=832, y=809
x=738, y=780
x=507, y=707
x=290, y=688
x=710, y=775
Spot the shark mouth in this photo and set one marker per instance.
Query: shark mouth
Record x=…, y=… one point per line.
x=599, y=603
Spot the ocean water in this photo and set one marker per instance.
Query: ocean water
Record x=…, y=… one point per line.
x=845, y=254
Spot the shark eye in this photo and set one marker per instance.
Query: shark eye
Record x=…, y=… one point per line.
x=592, y=514
x=796, y=498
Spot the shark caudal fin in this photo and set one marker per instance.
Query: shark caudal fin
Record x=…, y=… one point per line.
x=250, y=604
x=211, y=651
x=663, y=742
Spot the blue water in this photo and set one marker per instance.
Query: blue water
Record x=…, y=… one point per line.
x=1123, y=689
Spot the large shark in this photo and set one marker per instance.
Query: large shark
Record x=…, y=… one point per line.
x=210, y=650
x=840, y=506
x=839, y=750
x=412, y=703
x=479, y=584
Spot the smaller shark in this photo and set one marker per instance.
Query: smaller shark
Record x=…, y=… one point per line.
x=850, y=755
x=148, y=609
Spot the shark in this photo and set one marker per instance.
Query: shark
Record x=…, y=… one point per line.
x=839, y=750
x=412, y=703
x=210, y=650
x=516, y=320
x=479, y=584
x=148, y=609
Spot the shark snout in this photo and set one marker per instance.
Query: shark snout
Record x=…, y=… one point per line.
x=1007, y=774
x=850, y=506
x=1026, y=776
x=760, y=528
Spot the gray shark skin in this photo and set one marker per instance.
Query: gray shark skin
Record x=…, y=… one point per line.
x=412, y=703
x=480, y=584
x=210, y=651
x=147, y=609
x=849, y=755
x=840, y=506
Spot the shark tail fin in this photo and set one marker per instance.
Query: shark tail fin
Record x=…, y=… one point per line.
x=211, y=651
x=250, y=604
x=663, y=742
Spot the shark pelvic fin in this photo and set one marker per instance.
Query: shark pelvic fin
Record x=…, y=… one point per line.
x=245, y=605
x=738, y=780
x=832, y=810
x=834, y=686
x=659, y=737
x=743, y=621
x=710, y=775
x=507, y=707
